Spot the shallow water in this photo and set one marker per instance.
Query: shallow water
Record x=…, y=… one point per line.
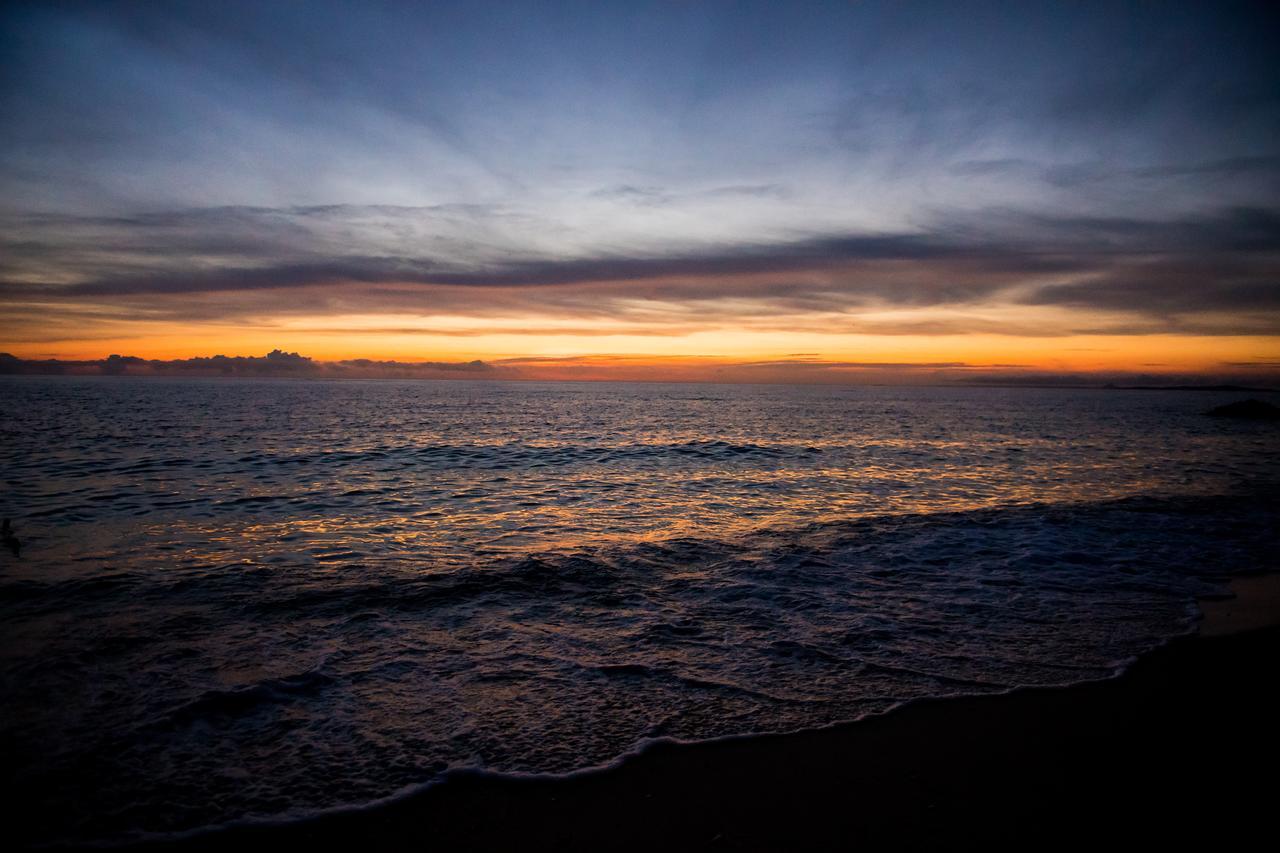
x=258, y=599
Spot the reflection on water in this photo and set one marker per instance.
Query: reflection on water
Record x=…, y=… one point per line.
x=434, y=473
x=263, y=598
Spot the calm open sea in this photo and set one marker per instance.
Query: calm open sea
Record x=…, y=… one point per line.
x=262, y=599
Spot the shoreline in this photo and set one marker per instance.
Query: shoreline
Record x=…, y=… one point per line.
x=1163, y=753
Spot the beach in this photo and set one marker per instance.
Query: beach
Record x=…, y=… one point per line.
x=1178, y=751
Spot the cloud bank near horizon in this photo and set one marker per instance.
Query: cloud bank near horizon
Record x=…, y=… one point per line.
x=797, y=369
x=275, y=364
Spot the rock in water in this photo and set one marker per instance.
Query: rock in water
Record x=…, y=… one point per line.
x=1255, y=410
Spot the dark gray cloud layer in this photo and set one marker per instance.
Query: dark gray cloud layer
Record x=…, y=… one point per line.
x=1179, y=274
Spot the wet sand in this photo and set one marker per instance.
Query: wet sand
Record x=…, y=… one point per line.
x=1181, y=750
x=1253, y=602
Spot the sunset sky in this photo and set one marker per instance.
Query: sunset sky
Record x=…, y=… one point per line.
x=782, y=192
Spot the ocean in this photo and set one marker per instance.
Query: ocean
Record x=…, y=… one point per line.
x=260, y=600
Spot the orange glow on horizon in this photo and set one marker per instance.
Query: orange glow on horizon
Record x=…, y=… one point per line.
x=701, y=355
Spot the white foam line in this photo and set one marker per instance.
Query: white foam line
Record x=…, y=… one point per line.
x=639, y=749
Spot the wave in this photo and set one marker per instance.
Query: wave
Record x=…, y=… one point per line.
x=547, y=663
x=510, y=455
x=445, y=777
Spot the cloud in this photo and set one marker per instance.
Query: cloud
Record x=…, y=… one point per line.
x=276, y=363
x=1226, y=166
x=600, y=171
x=819, y=364
x=988, y=167
x=1238, y=290
x=642, y=368
x=1215, y=272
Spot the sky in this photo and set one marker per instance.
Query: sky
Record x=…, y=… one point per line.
x=744, y=191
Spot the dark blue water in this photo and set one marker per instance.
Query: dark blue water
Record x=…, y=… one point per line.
x=261, y=599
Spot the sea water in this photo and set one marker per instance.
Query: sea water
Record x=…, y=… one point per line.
x=262, y=599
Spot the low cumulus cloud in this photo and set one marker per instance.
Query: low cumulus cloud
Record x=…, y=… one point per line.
x=1258, y=374
x=276, y=363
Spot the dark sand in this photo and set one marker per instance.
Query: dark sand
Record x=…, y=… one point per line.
x=1182, y=750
